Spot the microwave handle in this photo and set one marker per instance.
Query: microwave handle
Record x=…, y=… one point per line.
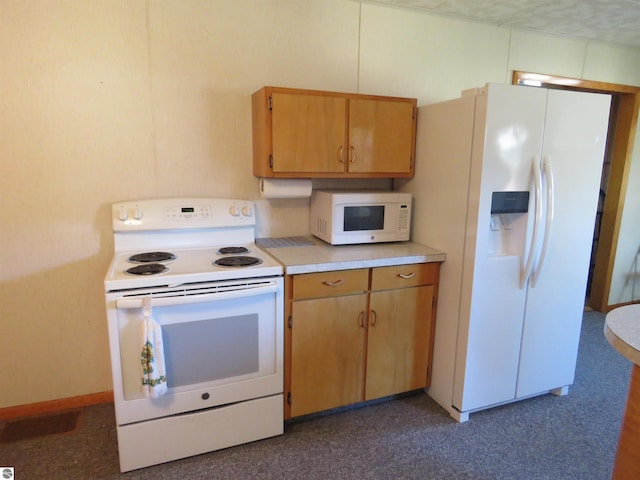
x=182, y=299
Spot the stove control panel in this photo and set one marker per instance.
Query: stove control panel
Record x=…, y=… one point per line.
x=181, y=213
x=198, y=212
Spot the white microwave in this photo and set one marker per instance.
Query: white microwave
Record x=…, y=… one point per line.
x=342, y=217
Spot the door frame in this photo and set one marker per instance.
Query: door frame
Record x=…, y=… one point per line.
x=621, y=138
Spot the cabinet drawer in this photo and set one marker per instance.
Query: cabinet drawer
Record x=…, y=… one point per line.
x=329, y=284
x=401, y=276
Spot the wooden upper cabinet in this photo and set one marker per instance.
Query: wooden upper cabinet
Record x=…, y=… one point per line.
x=309, y=133
x=381, y=136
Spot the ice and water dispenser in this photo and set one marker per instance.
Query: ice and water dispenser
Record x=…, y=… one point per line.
x=508, y=225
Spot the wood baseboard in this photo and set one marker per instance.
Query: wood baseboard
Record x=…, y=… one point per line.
x=51, y=406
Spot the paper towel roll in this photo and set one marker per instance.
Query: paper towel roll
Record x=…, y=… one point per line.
x=285, y=187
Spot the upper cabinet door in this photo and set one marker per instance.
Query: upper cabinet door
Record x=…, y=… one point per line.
x=381, y=136
x=308, y=133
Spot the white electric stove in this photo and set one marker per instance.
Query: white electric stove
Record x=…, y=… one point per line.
x=218, y=299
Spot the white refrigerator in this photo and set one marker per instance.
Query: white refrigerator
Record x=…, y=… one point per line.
x=506, y=183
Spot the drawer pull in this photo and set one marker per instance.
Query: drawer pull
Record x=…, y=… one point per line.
x=332, y=284
x=407, y=275
x=374, y=318
x=341, y=154
x=361, y=318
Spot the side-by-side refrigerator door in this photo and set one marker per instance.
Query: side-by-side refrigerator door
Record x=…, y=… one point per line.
x=574, y=143
x=506, y=141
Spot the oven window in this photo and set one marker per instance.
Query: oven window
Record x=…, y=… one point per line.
x=370, y=217
x=210, y=350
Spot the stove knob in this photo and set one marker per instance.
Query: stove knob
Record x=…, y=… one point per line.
x=137, y=213
x=122, y=216
x=234, y=211
x=246, y=211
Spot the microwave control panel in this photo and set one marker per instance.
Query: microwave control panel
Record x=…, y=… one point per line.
x=403, y=217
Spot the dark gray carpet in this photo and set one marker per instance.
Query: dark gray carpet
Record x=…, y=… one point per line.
x=547, y=437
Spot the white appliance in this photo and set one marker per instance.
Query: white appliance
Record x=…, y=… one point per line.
x=193, y=265
x=512, y=290
x=360, y=216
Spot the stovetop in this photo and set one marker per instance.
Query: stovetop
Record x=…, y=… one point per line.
x=194, y=230
x=190, y=265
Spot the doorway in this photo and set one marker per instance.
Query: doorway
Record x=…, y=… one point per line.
x=622, y=127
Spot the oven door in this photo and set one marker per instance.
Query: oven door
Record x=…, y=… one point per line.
x=223, y=343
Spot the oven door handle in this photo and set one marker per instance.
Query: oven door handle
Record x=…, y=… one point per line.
x=184, y=299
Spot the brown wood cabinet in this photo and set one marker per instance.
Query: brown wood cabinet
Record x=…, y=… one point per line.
x=400, y=323
x=309, y=133
x=356, y=335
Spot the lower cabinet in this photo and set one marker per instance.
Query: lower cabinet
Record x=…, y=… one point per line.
x=327, y=353
x=398, y=342
x=356, y=335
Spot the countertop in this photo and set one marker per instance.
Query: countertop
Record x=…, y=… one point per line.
x=310, y=255
x=622, y=330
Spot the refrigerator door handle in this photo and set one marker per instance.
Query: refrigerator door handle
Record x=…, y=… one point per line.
x=525, y=273
x=549, y=187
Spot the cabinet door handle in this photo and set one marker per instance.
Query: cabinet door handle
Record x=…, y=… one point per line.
x=362, y=321
x=332, y=284
x=374, y=318
x=352, y=155
x=407, y=275
x=341, y=154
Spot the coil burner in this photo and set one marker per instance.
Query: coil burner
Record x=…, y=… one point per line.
x=152, y=257
x=238, y=261
x=147, y=269
x=232, y=250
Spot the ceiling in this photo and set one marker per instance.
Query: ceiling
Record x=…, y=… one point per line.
x=616, y=21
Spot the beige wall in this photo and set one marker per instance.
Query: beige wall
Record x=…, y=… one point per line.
x=110, y=100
